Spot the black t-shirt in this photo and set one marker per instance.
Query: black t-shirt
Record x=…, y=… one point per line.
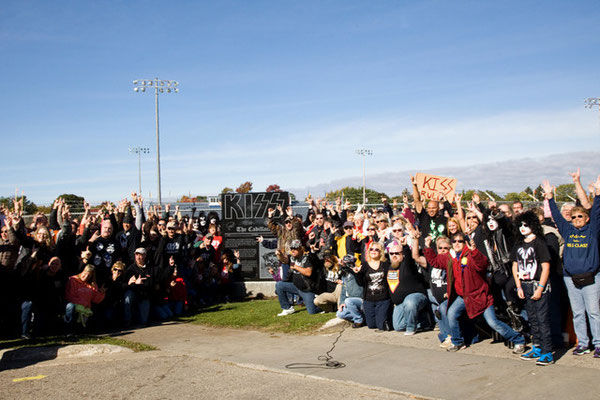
x=529, y=258
x=405, y=280
x=438, y=282
x=300, y=281
x=375, y=283
x=435, y=226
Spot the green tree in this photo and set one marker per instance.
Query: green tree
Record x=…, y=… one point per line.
x=29, y=207
x=564, y=191
x=74, y=201
x=355, y=195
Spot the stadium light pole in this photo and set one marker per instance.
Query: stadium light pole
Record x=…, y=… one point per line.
x=139, y=151
x=159, y=86
x=364, y=153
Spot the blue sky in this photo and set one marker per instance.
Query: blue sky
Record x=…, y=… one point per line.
x=285, y=91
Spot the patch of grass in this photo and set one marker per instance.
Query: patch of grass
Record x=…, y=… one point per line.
x=260, y=315
x=65, y=341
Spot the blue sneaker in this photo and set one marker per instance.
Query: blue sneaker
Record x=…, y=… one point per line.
x=581, y=350
x=545, y=359
x=534, y=353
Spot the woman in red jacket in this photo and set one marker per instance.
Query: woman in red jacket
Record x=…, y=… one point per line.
x=80, y=293
x=468, y=290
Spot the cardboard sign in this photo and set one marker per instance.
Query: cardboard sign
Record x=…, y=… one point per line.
x=430, y=186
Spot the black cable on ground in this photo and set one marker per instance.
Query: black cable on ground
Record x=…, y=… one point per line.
x=328, y=362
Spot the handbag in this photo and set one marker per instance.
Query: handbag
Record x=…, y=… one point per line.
x=582, y=280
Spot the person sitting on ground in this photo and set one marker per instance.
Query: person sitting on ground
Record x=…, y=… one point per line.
x=351, y=301
x=328, y=300
x=301, y=280
x=80, y=293
x=468, y=290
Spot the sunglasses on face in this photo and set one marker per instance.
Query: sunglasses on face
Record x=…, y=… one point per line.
x=577, y=216
x=458, y=241
x=443, y=248
x=348, y=227
x=379, y=222
x=471, y=217
x=396, y=230
x=371, y=229
x=117, y=270
x=375, y=250
x=394, y=253
x=288, y=222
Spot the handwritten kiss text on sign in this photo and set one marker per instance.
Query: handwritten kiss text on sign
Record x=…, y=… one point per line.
x=430, y=186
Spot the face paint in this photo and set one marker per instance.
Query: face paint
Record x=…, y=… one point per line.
x=492, y=224
x=524, y=229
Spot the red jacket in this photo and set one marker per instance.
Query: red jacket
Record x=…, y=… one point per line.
x=471, y=278
x=79, y=292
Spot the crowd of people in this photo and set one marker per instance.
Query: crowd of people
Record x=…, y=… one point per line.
x=486, y=269
x=118, y=267
x=490, y=268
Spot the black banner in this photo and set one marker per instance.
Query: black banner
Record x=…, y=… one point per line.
x=244, y=218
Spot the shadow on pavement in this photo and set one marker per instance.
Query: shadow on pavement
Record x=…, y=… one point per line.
x=26, y=356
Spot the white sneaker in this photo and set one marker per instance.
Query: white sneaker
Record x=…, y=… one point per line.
x=446, y=343
x=409, y=333
x=286, y=312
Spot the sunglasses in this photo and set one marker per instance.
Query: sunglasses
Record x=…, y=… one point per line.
x=347, y=227
x=288, y=222
x=577, y=216
x=371, y=229
x=377, y=250
x=381, y=221
x=394, y=253
x=458, y=241
x=444, y=248
x=171, y=229
x=471, y=217
x=396, y=230
x=117, y=270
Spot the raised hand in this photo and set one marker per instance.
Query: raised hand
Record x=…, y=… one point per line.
x=476, y=198
x=470, y=244
x=575, y=175
x=428, y=240
x=548, y=193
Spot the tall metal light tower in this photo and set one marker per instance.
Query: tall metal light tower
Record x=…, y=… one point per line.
x=139, y=151
x=364, y=153
x=159, y=86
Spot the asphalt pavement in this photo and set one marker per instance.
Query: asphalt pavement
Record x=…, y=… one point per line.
x=201, y=362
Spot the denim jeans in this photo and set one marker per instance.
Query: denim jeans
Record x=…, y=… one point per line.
x=69, y=310
x=143, y=308
x=443, y=322
x=352, y=310
x=376, y=313
x=284, y=288
x=176, y=307
x=25, y=316
x=585, y=300
x=405, y=314
x=162, y=312
x=457, y=308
